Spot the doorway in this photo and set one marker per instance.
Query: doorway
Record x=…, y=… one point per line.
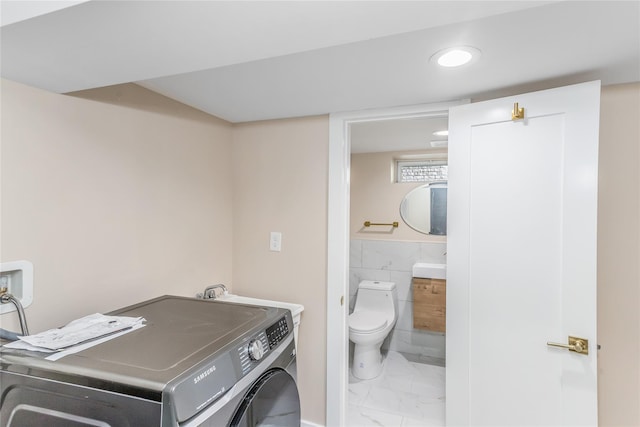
x=339, y=244
x=398, y=187
x=568, y=116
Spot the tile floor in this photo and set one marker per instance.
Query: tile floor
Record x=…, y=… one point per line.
x=406, y=394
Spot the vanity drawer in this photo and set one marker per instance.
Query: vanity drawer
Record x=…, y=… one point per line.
x=429, y=304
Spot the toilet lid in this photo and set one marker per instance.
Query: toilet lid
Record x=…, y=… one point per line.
x=366, y=321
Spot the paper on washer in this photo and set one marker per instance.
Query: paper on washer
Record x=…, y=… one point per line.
x=81, y=330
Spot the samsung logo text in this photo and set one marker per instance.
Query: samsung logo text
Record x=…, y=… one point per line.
x=203, y=375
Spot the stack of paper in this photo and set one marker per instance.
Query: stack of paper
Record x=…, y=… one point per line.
x=92, y=329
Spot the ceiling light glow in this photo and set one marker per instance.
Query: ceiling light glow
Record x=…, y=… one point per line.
x=441, y=133
x=439, y=143
x=456, y=56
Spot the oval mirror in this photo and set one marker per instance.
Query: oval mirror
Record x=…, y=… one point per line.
x=425, y=209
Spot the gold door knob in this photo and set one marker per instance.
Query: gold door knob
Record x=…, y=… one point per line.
x=577, y=345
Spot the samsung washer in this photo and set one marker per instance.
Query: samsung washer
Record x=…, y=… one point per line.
x=194, y=363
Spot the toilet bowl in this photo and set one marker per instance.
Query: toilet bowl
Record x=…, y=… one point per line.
x=373, y=317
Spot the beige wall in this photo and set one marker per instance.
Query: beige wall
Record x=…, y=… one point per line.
x=280, y=184
x=112, y=202
x=376, y=197
x=118, y=195
x=619, y=257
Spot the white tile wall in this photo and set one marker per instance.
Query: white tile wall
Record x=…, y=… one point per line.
x=393, y=261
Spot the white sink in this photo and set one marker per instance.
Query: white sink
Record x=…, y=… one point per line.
x=426, y=270
x=296, y=309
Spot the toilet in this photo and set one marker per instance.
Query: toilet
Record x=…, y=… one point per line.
x=373, y=317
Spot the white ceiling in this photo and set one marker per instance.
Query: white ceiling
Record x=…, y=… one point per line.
x=397, y=134
x=245, y=61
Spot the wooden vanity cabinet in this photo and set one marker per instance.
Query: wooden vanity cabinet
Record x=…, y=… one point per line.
x=429, y=304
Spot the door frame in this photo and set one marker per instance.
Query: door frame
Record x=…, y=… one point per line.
x=337, y=342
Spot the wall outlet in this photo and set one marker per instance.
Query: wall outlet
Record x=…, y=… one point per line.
x=275, y=241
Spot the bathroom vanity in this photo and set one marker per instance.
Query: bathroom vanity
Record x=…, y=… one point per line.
x=429, y=297
x=429, y=304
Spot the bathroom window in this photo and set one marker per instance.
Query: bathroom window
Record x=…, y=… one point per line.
x=421, y=171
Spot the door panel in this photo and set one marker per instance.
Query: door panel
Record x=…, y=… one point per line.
x=506, y=216
x=521, y=260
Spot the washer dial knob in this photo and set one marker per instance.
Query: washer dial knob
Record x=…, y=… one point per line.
x=255, y=350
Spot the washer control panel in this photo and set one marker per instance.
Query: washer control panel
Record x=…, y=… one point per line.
x=277, y=332
x=252, y=351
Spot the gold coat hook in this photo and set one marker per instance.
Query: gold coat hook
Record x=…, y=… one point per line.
x=517, y=113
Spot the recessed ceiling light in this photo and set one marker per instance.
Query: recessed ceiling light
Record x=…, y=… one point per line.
x=441, y=133
x=456, y=56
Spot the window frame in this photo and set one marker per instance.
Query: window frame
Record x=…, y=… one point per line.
x=401, y=163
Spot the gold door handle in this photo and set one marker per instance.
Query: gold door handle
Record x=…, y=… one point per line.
x=577, y=345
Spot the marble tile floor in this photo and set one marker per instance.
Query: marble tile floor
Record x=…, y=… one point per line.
x=406, y=394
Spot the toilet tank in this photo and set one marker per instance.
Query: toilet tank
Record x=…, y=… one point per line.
x=377, y=296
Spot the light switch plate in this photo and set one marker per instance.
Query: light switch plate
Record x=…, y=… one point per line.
x=275, y=241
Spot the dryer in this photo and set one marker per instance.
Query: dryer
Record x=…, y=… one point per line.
x=194, y=363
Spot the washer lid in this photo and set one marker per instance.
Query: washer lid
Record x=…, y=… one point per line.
x=366, y=322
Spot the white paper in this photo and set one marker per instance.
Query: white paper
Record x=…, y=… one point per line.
x=80, y=331
x=21, y=345
x=76, y=348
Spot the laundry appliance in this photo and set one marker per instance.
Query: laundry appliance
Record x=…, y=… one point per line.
x=194, y=363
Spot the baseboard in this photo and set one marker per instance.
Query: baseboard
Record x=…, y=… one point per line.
x=304, y=423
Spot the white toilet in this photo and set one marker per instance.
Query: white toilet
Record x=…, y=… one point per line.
x=373, y=317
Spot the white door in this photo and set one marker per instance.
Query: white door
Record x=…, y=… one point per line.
x=522, y=260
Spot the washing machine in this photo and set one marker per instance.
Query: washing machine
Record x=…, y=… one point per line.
x=194, y=363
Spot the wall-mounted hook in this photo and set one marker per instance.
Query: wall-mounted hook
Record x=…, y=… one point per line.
x=517, y=113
